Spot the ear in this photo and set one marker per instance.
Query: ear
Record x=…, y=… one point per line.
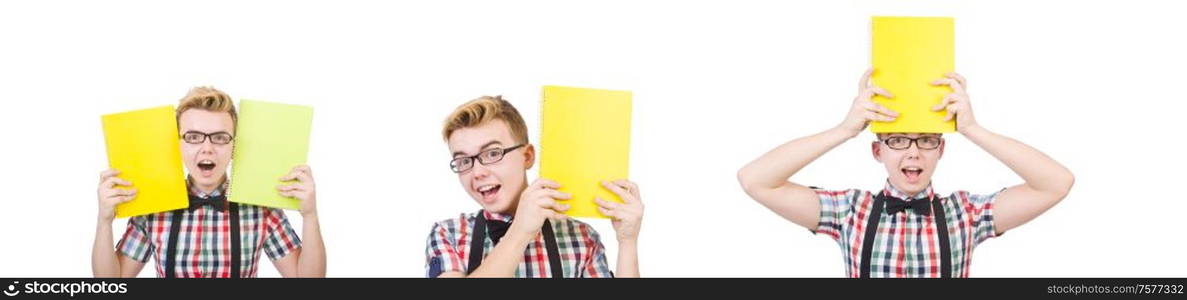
x=876, y=149
x=943, y=143
x=529, y=156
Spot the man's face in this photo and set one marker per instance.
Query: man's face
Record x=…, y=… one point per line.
x=496, y=186
x=206, y=161
x=909, y=164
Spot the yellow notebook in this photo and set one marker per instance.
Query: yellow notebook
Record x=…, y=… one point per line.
x=585, y=137
x=144, y=146
x=270, y=140
x=908, y=53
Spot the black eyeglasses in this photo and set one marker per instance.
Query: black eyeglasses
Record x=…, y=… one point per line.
x=195, y=137
x=486, y=157
x=927, y=142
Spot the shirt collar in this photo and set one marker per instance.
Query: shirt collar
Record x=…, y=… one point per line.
x=895, y=192
x=493, y=216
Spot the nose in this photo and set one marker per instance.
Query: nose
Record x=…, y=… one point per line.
x=912, y=151
x=206, y=147
x=479, y=171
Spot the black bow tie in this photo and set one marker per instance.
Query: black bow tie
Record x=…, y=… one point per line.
x=217, y=202
x=497, y=229
x=895, y=205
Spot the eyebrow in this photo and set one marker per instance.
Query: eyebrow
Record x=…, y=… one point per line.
x=484, y=146
x=195, y=131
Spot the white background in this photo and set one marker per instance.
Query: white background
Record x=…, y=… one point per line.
x=1095, y=84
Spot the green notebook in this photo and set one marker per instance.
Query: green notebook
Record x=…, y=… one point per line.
x=271, y=139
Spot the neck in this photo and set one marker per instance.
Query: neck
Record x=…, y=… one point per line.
x=910, y=193
x=208, y=188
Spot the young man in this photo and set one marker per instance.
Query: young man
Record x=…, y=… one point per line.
x=521, y=230
x=904, y=229
x=200, y=241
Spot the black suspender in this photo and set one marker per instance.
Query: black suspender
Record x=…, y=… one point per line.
x=867, y=243
x=171, y=252
x=871, y=229
x=945, y=252
x=554, y=257
x=175, y=230
x=477, y=241
x=477, y=246
x=236, y=251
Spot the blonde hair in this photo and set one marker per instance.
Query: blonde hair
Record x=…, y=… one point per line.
x=482, y=110
x=208, y=99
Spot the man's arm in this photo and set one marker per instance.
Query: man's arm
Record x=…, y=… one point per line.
x=766, y=178
x=104, y=260
x=310, y=260
x=536, y=203
x=627, y=219
x=1046, y=181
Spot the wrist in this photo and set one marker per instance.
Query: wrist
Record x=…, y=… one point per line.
x=628, y=242
x=843, y=132
x=518, y=238
x=308, y=220
x=970, y=129
x=104, y=221
x=312, y=214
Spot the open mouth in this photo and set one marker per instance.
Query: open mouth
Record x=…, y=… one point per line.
x=206, y=165
x=489, y=192
x=912, y=173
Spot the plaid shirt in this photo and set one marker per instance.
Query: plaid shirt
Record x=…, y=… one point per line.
x=204, y=246
x=906, y=244
x=581, y=251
